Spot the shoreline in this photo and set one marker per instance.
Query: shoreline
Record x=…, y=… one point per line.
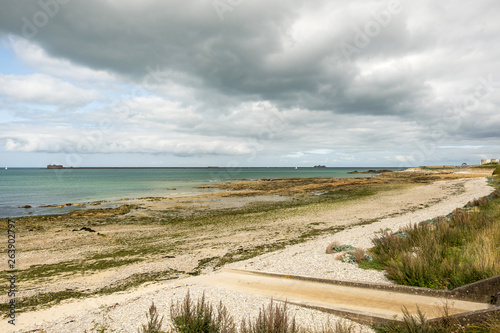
x=18, y=200
x=398, y=203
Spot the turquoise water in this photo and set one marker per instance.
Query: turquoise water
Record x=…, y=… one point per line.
x=41, y=187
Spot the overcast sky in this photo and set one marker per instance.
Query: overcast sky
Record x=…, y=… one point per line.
x=249, y=82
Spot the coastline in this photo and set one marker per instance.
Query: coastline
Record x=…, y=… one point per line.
x=69, y=189
x=354, y=221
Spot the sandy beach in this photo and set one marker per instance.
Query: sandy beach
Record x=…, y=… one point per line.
x=157, y=249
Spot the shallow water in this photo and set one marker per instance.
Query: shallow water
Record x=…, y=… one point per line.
x=41, y=187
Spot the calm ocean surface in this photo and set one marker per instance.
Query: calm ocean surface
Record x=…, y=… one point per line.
x=41, y=187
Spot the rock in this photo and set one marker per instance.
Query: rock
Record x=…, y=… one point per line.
x=26, y=206
x=87, y=229
x=60, y=206
x=69, y=204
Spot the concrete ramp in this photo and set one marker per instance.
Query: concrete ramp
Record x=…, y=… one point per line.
x=361, y=303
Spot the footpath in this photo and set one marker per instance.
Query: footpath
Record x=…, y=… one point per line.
x=363, y=302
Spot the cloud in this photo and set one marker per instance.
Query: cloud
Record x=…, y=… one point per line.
x=296, y=79
x=43, y=89
x=36, y=57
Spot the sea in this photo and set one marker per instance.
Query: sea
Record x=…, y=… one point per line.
x=38, y=188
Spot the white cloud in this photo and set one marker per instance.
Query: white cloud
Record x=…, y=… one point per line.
x=37, y=58
x=44, y=89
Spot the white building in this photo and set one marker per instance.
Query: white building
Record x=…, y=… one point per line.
x=490, y=161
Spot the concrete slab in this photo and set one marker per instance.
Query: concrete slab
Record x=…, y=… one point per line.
x=381, y=305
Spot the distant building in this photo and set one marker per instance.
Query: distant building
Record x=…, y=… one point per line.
x=490, y=161
x=54, y=166
x=464, y=165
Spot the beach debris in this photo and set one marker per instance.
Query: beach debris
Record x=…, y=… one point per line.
x=85, y=229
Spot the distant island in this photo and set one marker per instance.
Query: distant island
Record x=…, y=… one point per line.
x=372, y=171
x=54, y=166
x=320, y=166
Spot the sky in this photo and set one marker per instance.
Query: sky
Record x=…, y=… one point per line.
x=235, y=83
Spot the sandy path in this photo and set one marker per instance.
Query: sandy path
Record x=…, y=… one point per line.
x=125, y=311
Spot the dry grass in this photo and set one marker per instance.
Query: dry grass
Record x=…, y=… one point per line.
x=331, y=247
x=200, y=317
x=273, y=319
x=446, y=252
x=188, y=317
x=154, y=322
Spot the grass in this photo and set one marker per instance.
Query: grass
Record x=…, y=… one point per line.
x=418, y=323
x=273, y=319
x=446, y=252
x=45, y=300
x=154, y=322
x=188, y=317
x=201, y=316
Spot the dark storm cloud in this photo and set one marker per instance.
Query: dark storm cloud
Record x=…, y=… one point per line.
x=254, y=53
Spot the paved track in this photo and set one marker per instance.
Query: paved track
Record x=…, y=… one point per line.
x=357, y=301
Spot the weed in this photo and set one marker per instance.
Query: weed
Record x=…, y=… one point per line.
x=273, y=319
x=154, y=321
x=188, y=317
x=446, y=252
x=411, y=323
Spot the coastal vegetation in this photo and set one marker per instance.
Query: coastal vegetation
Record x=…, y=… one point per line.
x=445, y=252
x=201, y=317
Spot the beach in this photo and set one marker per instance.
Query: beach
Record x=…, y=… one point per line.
x=115, y=262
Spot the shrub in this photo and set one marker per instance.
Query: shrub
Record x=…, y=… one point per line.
x=446, y=252
x=273, y=319
x=411, y=323
x=200, y=318
x=154, y=322
x=331, y=247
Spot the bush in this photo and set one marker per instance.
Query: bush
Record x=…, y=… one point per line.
x=154, y=322
x=200, y=318
x=444, y=253
x=273, y=319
